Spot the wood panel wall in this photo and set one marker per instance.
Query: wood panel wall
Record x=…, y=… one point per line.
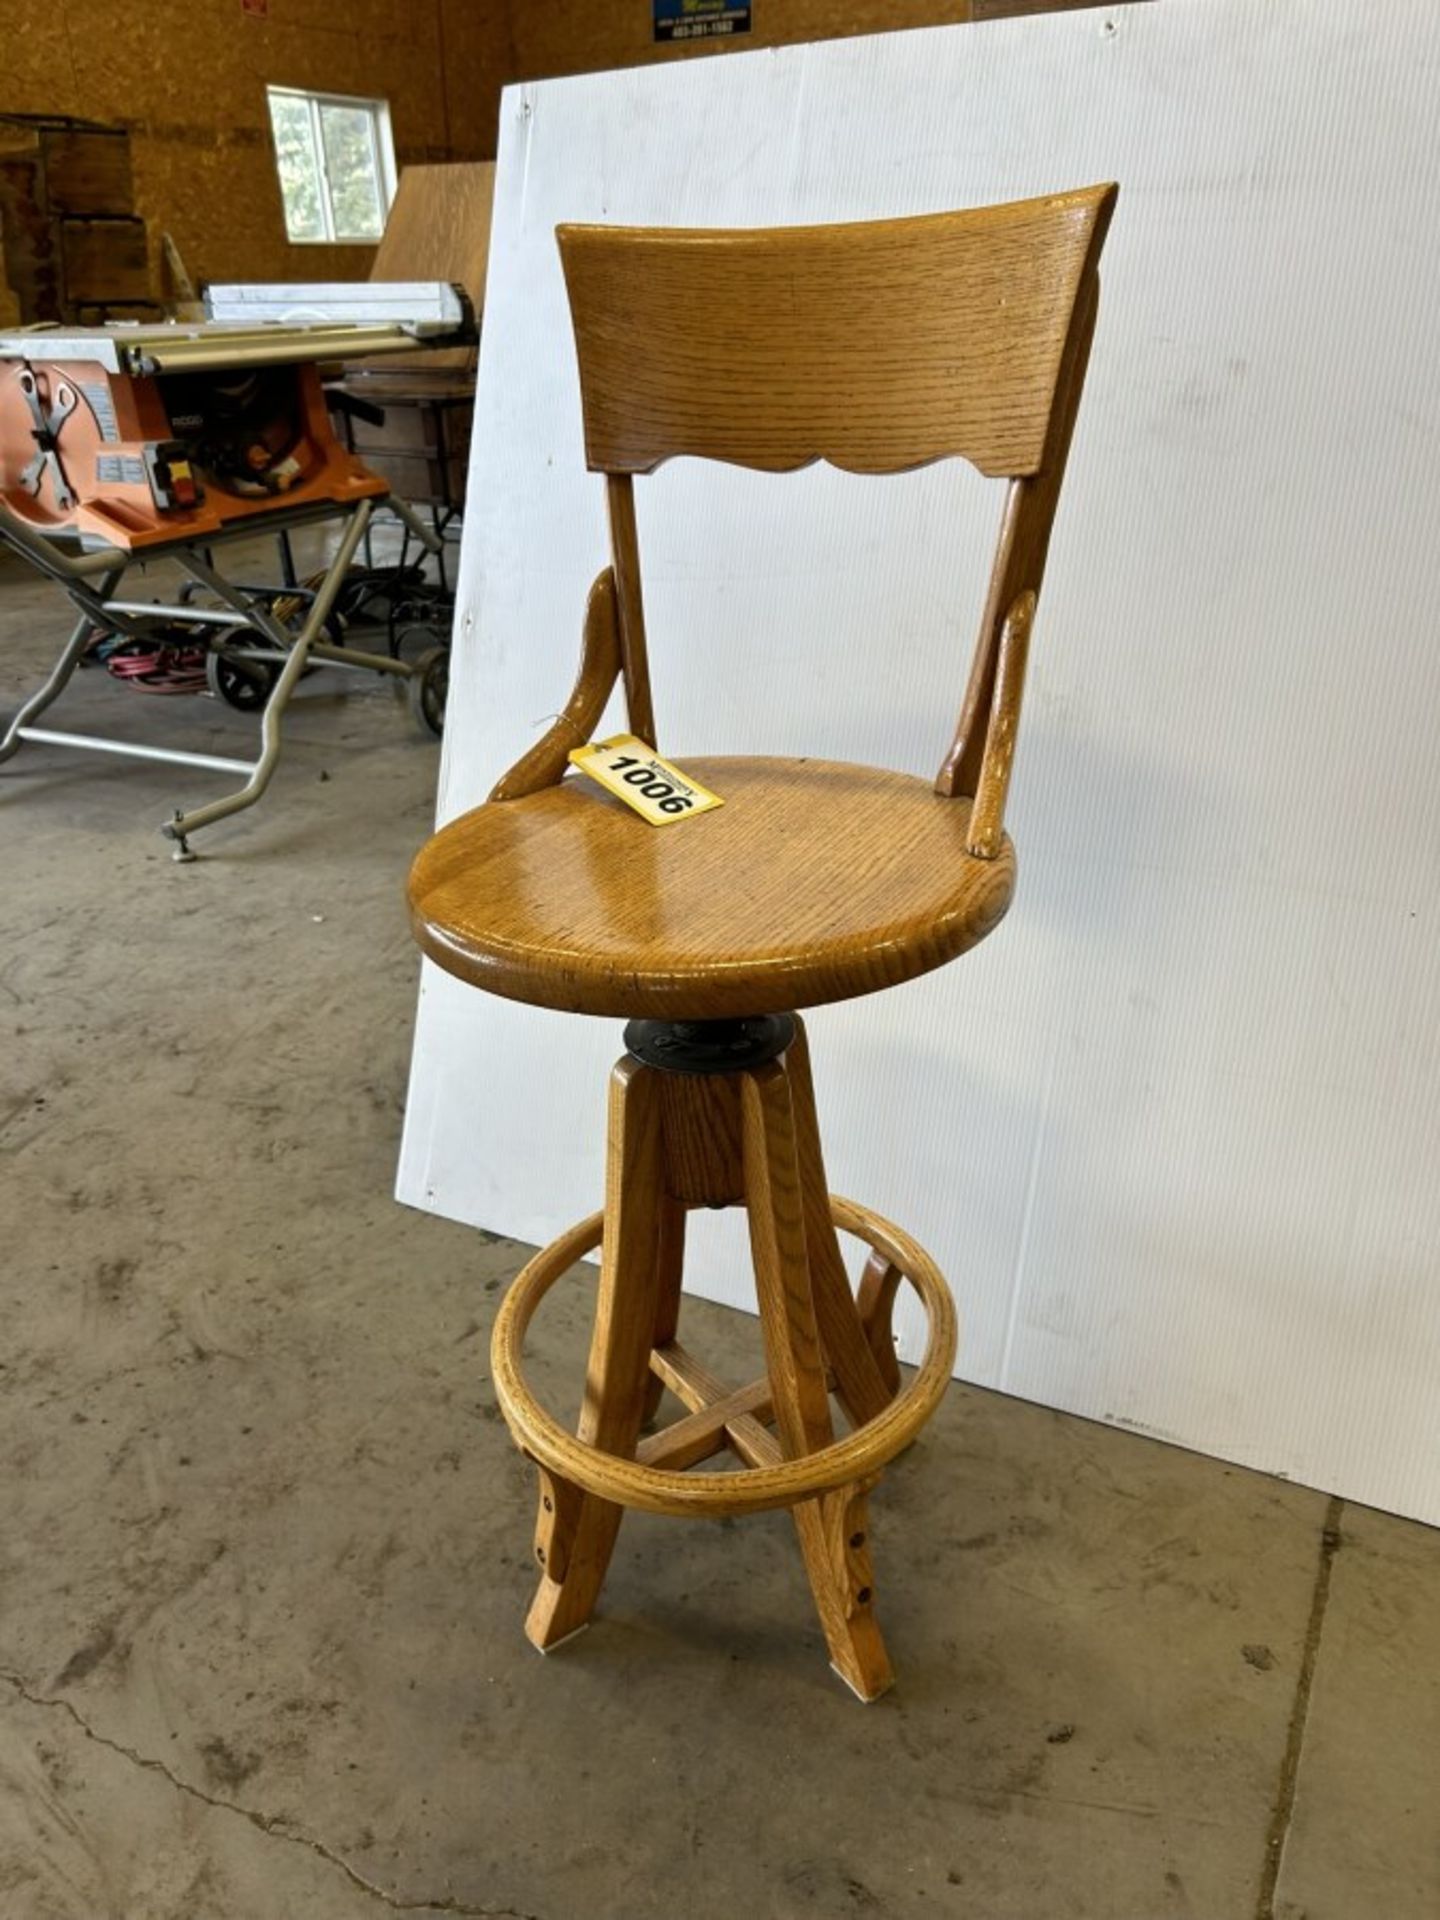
x=188, y=81
x=579, y=36
x=187, y=78
x=569, y=36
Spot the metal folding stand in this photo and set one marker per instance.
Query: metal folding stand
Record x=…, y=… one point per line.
x=421, y=453
x=91, y=581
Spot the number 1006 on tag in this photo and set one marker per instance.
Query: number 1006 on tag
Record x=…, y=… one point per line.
x=636, y=774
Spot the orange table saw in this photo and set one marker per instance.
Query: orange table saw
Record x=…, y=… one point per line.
x=124, y=444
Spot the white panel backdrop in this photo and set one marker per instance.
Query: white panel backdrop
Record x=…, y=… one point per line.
x=1173, y=1131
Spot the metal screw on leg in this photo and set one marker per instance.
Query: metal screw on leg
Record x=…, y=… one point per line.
x=183, y=852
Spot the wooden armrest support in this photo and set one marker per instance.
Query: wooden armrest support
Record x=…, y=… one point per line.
x=544, y=765
x=987, y=813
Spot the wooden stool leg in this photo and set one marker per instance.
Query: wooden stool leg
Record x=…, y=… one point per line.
x=776, y=1207
x=670, y=1258
x=774, y=1196
x=863, y=1386
x=835, y=1540
x=576, y=1531
x=875, y=1301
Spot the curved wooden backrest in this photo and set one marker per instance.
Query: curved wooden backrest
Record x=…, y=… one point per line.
x=877, y=345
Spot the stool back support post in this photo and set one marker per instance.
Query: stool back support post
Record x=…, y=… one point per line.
x=1019, y=565
x=545, y=763
x=625, y=552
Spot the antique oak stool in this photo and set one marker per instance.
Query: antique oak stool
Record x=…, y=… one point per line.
x=879, y=347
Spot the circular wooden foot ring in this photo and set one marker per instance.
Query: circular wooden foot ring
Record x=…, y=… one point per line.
x=748, y=1490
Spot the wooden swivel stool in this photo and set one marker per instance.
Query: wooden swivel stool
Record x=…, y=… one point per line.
x=877, y=347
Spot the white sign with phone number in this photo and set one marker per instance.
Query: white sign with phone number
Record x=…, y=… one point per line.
x=636, y=774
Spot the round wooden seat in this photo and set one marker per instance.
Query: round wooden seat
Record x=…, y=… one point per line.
x=815, y=881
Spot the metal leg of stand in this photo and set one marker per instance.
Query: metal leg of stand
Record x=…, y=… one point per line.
x=440, y=526
x=392, y=624
x=53, y=687
x=59, y=675
x=411, y=520
x=185, y=824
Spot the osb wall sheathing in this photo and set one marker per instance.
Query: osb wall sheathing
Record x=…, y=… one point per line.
x=580, y=36
x=187, y=78
x=569, y=36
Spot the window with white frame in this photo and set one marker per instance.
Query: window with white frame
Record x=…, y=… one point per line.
x=336, y=163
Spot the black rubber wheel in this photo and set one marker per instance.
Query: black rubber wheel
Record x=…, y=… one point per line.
x=428, y=687
x=243, y=684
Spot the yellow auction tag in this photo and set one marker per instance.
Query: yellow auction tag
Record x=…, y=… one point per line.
x=637, y=775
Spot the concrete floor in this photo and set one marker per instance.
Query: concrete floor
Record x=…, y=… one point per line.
x=264, y=1543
